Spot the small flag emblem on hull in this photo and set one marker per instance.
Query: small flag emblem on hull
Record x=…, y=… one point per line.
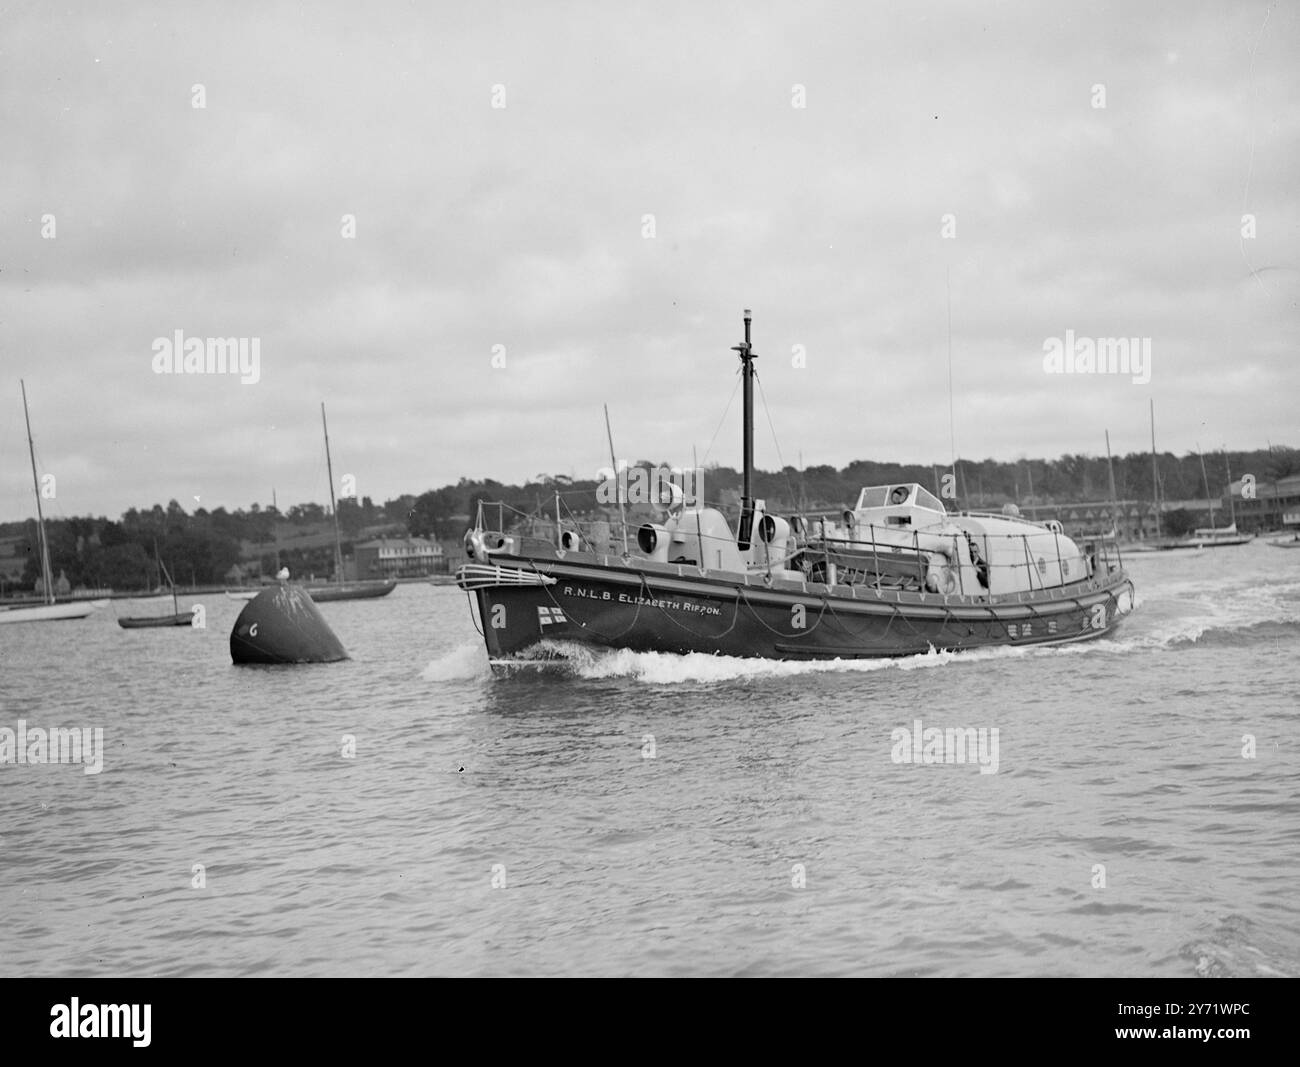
x=550, y=616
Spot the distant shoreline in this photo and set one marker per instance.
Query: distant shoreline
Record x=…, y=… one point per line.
x=30, y=600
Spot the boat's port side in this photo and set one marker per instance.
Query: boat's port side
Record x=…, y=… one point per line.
x=525, y=600
x=966, y=554
x=894, y=576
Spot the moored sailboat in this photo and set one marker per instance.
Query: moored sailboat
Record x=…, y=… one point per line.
x=896, y=575
x=340, y=589
x=351, y=591
x=177, y=618
x=1211, y=536
x=49, y=611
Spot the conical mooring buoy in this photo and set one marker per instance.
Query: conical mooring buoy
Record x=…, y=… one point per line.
x=283, y=625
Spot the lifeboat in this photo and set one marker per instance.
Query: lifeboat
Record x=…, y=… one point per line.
x=894, y=575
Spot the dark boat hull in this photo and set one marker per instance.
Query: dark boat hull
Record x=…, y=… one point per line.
x=650, y=607
x=181, y=618
x=46, y=612
x=364, y=591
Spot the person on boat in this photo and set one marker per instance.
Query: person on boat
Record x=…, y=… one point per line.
x=981, y=565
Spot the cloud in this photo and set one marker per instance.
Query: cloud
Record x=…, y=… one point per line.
x=524, y=226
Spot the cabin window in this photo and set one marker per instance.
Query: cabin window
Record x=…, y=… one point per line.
x=926, y=500
x=874, y=497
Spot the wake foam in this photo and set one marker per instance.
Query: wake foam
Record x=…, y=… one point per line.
x=1238, y=949
x=1221, y=614
x=669, y=668
x=460, y=664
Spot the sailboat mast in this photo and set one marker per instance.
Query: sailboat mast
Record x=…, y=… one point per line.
x=618, y=491
x=47, y=577
x=176, y=608
x=747, y=357
x=1206, y=478
x=1232, y=510
x=952, y=431
x=329, y=467
x=1110, y=474
x=275, y=522
x=1155, y=474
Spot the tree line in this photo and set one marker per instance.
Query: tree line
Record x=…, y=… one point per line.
x=197, y=548
x=983, y=484
x=201, y=547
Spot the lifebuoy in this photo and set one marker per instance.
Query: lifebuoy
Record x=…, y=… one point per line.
x=941, y=579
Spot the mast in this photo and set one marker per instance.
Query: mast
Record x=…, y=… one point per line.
x=1206, y=478
x=1232, y=511
x=1155, y=473
x=1110, y=474
x=803, y=494
x=952, y=432
x=329, y=467
x=176, y=608
x=275, y=519
x=47, y=576
x=618, y=488
x=747, y=357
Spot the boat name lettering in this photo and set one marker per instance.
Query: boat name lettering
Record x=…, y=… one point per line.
x=643, y=601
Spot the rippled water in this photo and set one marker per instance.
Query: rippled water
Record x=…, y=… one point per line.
x=656, y=815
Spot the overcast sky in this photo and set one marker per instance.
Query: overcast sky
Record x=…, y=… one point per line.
x=654, y=169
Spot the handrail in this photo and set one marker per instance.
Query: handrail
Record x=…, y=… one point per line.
x=819, y=544
x=815, y=514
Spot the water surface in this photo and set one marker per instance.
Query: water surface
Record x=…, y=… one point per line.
x=663, y=815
